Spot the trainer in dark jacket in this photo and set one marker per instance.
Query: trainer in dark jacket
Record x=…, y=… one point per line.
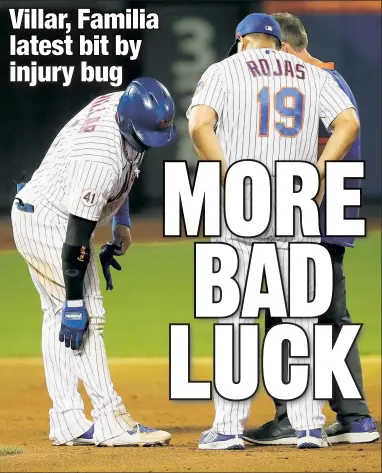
x=354, y=423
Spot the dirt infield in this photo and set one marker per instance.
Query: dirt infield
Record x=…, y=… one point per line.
x=143, y=384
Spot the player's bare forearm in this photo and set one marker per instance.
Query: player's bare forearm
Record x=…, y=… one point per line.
x=121, y=238
x=121, y=228
x=346, y=127
x=202, y=131
x=209, y=148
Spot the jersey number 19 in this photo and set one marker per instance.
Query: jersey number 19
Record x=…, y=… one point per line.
x=289, y=103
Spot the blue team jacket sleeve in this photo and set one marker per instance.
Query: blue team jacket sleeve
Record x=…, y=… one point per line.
x=323, y=133
x=122, y=217
x=353, y=155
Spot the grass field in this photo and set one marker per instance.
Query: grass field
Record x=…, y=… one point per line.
x=155, y=288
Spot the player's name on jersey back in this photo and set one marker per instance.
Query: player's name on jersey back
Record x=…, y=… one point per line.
x=263, y=67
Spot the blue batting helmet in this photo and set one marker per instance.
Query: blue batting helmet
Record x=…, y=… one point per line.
x=147, y=110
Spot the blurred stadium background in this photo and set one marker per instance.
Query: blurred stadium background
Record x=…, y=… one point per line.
x=157, y=281
x=193, y=34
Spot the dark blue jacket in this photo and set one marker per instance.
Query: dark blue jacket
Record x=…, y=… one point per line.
x=353, y=155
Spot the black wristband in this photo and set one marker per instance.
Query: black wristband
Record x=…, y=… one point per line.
x=75, y=260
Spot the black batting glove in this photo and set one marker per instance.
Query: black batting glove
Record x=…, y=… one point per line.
x=106, y=256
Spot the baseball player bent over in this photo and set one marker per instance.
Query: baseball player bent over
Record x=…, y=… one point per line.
x=264, y=104
x=84, y=181
x=354, y=423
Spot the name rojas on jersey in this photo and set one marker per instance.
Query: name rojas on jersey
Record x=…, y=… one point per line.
x=89, y=169
x=262, y=93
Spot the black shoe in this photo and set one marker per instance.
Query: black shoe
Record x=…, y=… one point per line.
x=275, y=432
x=360, y=431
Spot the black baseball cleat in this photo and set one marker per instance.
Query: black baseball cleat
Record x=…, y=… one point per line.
x=275, y=432
x=360, y=431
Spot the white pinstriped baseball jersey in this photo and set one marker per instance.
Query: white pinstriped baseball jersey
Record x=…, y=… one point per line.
x=269, y=104
x=89, y=169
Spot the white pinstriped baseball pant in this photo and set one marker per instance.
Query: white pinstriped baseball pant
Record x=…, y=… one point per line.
x=39, y=237
x=304, y=413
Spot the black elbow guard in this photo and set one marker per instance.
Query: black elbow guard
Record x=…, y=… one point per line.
x=75, y=260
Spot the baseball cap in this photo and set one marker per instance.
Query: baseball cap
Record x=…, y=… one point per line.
x=256, y=23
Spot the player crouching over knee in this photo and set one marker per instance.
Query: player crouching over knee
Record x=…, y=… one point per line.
x=96, y=159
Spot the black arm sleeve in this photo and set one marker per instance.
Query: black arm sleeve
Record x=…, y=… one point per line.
x=79, y=231
x=76, y=255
